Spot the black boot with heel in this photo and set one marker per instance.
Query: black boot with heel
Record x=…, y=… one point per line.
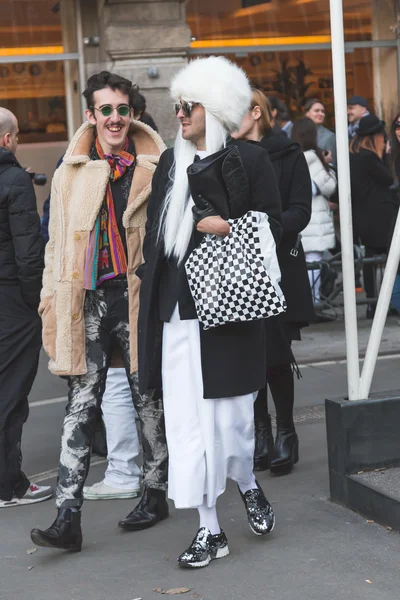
x=152, y=508
x=264, y=440
x=65, y=533
x=285, y=453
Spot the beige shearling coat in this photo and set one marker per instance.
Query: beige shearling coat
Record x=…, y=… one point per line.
x=78, y=190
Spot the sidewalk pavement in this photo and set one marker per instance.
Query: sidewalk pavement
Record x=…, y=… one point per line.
x=326, y=341
x=317, y=551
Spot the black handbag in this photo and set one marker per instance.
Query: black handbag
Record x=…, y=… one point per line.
x=206, y=180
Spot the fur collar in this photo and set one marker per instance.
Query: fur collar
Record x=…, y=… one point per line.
x=148, y=143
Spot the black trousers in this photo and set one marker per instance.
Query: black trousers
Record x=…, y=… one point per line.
x=369, y=271
x=280, y=379
x=20, y=342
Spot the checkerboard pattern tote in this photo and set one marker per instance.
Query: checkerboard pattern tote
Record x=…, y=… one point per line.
x=228, y=280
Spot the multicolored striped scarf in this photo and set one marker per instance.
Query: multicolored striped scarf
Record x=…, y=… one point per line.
x=106, y=253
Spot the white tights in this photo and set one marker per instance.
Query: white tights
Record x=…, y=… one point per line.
x=208, y=514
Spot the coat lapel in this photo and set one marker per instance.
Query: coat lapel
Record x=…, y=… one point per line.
x=88, y=193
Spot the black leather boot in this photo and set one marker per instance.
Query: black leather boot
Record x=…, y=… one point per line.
x=262, y=431
x=152, y=508
x=264, y=442
x=65, y=533
x=285, y=453
x=371, y=309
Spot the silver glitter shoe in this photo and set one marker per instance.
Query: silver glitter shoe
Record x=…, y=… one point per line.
x=260, y=514
x=204, y=548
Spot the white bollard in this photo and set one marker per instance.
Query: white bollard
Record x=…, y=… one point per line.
x=346, y=227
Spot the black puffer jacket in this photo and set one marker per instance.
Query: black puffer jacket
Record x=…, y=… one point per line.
x=21, y=244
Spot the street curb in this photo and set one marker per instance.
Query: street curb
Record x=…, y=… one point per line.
x=342, y=359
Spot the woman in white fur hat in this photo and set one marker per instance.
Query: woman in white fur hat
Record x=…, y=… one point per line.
x=210, y=378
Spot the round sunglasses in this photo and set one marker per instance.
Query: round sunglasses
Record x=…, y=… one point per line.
x=107, y=110
x=396, y=124
x=186, y=107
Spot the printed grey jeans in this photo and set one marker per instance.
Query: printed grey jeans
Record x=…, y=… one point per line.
x=106, y=324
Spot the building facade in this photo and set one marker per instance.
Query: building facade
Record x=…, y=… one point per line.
x=49, y=48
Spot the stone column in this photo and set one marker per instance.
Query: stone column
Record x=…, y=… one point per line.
x=145, y=41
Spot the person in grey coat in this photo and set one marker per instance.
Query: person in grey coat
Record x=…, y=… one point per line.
x=314, y=109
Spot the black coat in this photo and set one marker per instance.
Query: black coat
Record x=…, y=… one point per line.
x=234, y=355
x=295, y=190
x=373, y=202
x=21, y=244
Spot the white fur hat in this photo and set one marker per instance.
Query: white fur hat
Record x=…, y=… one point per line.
x=219, y=85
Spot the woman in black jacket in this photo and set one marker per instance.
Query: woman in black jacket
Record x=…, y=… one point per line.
x=394, y=159
x=295, y=189
x=374, y=208
x=395, y=147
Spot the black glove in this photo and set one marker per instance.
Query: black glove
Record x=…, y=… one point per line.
x=202, y=209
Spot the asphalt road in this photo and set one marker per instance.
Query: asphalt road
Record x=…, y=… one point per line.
x=318, y=550
x=48, y=398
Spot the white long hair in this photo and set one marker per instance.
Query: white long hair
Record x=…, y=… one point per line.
x=176, y=222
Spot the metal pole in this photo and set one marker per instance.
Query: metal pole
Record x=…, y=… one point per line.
x=381, y=313
x=81, y=51
x=398, y=44
x=69, y=92
x=346, y=228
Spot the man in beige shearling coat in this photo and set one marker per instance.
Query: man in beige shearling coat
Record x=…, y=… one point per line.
x=90, y=296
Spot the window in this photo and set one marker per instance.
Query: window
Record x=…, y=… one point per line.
x=244, y=22
x=34, y=76
x=296, y=75
x=35, y=93
x=29, y=24
x=284, y=47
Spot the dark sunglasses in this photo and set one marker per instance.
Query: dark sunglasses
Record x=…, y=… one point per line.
x=107, y=110
x=396, y=124
x=186, y=107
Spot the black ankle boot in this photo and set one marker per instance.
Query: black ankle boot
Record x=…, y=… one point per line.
x=285, y=453
x=264, y=442
x=371, y=309
x=152, y=508
x=65, y=533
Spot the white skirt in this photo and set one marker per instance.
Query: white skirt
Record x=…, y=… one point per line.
x=209, y=440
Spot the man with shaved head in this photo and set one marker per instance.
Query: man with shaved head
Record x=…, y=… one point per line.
x=9, y=128
x=21, y=267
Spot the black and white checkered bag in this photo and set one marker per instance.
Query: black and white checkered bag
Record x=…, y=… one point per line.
x=228, y=280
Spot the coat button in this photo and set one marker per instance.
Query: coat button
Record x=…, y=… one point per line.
x=75, y=316
x=75, y=275
x=77, y=236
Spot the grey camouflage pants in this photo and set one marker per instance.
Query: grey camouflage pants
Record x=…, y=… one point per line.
x=106, y=324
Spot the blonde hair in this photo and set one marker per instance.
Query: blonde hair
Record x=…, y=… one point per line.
x=266, y=119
